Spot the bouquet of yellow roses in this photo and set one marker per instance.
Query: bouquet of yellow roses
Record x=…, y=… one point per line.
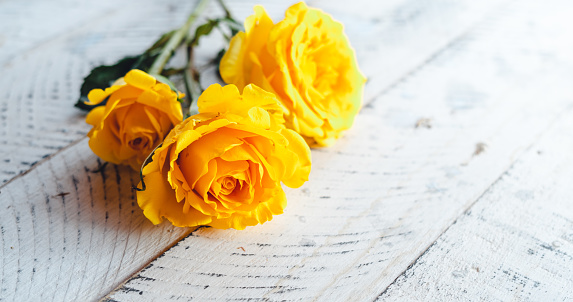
x=291, y=85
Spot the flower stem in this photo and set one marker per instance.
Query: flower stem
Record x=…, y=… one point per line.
x=176, y=39
x=224, y=7
x=192, y=83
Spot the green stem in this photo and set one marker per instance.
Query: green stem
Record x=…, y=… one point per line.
x=227, y=11
x=176, y=39
x=227, y=37
x=191, y=80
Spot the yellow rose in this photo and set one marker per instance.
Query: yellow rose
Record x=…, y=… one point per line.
x=223, y=167
x=138, y=114
x=307, y=61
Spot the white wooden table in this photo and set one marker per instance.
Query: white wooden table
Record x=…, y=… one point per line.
x=455, y=182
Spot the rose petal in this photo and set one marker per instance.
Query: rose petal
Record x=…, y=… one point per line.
x=158, y=201
x=297, y=171
x=259, y=117
x=95, y=116
x=139, y=79
x=264, y=212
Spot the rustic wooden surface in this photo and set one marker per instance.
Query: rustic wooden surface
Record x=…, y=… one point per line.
x=452, y=185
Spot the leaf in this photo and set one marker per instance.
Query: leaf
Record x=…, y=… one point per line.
x=102, y=77
x=233, y=25
x=147, y=160
x=165, y=80
x=203, y=30
x=158, y=45
x=217, y=61
x=207, y=28
x=167, y=72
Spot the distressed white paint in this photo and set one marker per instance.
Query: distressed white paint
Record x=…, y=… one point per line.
x=383, y=194
x=78, y=246
x=514, y=244
x=46, y=48
x=71, y=234
x=375, y=202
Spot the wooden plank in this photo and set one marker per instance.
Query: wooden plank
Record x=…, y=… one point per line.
x=384, y=193
x=42, y=75
x=395, y=38
x=79, y=246
x=71, y=234
x=515, y=243
x=50, y=19
x=43, y=62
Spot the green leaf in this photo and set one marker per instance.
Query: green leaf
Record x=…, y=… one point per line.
x=233, y=25
x=160, y=43
x=102, y=77
x=207, y=28
x=204, y=30
x=167, y=72
x=165, y=80
x=147, y=160
x=217, y=61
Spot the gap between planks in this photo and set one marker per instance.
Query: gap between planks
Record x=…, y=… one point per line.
x=530, y=107
x=515, y=243
x=362, y=32
x=487, y=190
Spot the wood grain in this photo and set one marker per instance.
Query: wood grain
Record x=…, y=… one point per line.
x=383, y=194
x=514, y=244
x=43, y=69
x=70, y=234
x=43, y=62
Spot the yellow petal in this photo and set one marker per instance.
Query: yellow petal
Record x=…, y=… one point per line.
x=139, y=79
x=103, y=143
x=295, y=10
x=257, y=28
x=95, y=116
x=256, y=96
x=149, y=98
x=120, y=81
x=194, y=157
x=231, y=168
x=272, y=135
x=217, y=98
x=204, y=182
x=297, y=145
x=158, y=201
x=259, y=117
x=231, y=67
x=96, y=96
x=264, y=212
x=234, y=68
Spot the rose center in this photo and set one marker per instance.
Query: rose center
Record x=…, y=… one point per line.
x=325, y=69
x=228, y=184
x=138, y=143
